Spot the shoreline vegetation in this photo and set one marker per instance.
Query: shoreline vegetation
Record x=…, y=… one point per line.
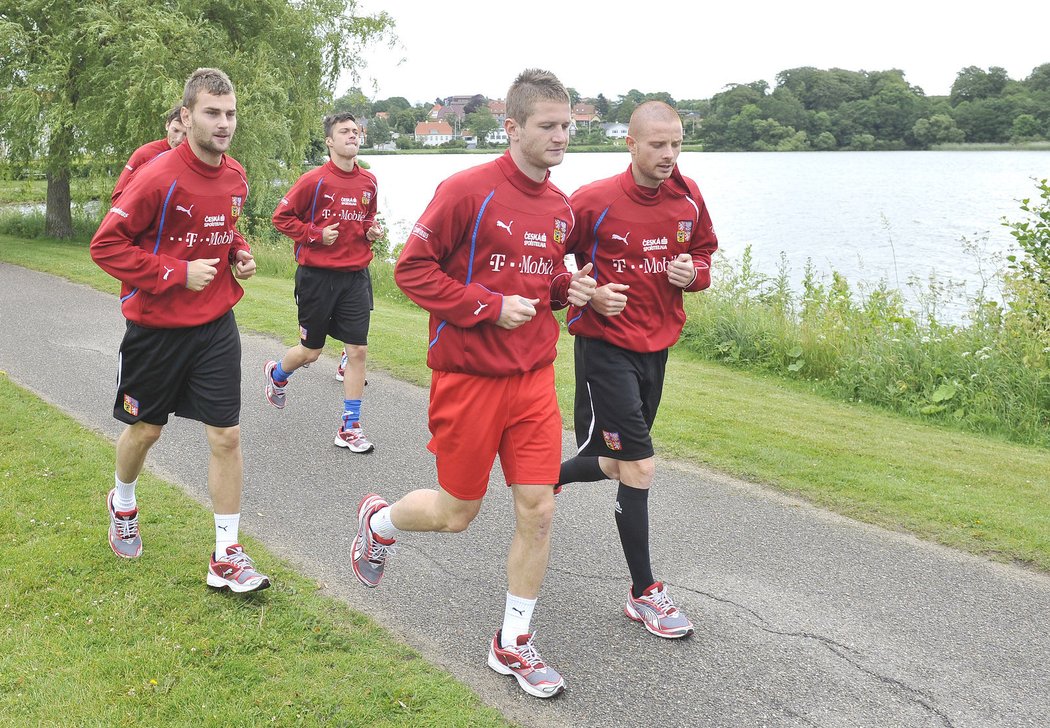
x=26, y=184
x=837, y=393
x=987, y=371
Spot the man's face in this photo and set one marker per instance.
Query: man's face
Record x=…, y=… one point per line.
x=210, y=123
x=345, y=140
x=543, y=137
x=176, y=133
x=654, y=151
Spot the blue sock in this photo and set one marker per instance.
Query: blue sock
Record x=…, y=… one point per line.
x=280, y=375
x=351, y=411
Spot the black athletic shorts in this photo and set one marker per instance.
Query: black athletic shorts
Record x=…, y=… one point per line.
x=194, y=372
x=334, y=303
x=617, y=395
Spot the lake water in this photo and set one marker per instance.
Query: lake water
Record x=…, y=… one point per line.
x=868, y=215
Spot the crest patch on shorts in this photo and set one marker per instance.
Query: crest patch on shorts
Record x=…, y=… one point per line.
x=612, y=440
x=131, y=405
x=302, y=332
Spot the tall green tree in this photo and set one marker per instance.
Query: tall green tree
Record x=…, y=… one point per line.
x=937, y=129
x=90, y=79
x=378, y=131
x=355, y=102
x=973, y=83
x=601, y=105
x=481, y=122
x=1039, y=78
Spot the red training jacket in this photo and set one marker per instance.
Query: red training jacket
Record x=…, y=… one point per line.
x=490, y=231
x=323, y=196
x=138, y=158
x=631, y=233
x=174, y=210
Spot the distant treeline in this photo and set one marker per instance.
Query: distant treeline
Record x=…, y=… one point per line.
x=812, y=109
x=837, y=109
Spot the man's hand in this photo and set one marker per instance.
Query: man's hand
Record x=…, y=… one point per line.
x=681, y=272
x=244, y=267
x=329, y=234
x=374, y=233
x=200, y=272
x=516, y=311
x=581, y=287
x=610, y=299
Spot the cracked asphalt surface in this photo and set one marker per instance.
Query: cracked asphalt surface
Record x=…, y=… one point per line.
x=803, y=618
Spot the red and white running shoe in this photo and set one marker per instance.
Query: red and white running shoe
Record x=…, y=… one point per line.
x=235, y=571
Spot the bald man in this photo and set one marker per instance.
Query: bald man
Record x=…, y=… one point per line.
x=647, y=233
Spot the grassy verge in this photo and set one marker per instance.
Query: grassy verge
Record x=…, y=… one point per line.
x=969, y=491
x=90, y=639
x=35, y=190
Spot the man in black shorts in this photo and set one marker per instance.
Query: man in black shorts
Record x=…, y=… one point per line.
x=172, y=242
x=649, y=237
x=330, y=215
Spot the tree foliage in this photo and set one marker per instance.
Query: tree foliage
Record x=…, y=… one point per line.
x=811, y=108
x=481, y=122
x=378, y=131
x=90, y=80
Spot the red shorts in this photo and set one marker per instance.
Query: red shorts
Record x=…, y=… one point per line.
x=472, y=419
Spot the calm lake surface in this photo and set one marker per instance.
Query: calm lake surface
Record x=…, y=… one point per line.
x=870, y=216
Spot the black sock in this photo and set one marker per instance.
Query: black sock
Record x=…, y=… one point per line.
x=581, y=470
x=632, y=521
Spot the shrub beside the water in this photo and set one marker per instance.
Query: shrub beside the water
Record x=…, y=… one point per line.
x=989, y=374
x=862, y=343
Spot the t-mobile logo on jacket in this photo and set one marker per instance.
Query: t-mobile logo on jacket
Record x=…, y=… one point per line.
x=526, y=264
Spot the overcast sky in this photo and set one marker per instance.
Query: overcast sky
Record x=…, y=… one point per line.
x=692, y=49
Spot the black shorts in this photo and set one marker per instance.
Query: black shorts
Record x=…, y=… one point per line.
x=334, y=303
x=617, y=394
x=194, y=372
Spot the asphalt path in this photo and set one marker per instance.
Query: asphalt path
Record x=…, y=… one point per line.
x=803, y=618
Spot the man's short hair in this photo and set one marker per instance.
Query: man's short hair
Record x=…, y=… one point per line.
x=649, y=111
x=337, y=118
x=533, y=85
x=174, y=115
x=209, y=80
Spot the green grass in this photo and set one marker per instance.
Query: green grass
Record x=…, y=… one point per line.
x=973, y=492
x=35, y=190
x=92, y=640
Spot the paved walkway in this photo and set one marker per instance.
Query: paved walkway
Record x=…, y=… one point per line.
x=803, y=618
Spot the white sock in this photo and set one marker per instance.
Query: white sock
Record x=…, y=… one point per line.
x=124, y=498
x=225, y=531
x=382, y=525
x=516, y=618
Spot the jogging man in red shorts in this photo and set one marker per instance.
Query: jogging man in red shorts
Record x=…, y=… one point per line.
x=175, y=135
x=648, y=235
x=172, y=242
x=486, y=260
x=330, y=215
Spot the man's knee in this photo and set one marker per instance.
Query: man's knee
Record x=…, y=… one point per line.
x=459, y=516
x=224, y=439
x=310, y=355
x=638, y=473
x=144, y=434
x=356, y=353
x=534, y=506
